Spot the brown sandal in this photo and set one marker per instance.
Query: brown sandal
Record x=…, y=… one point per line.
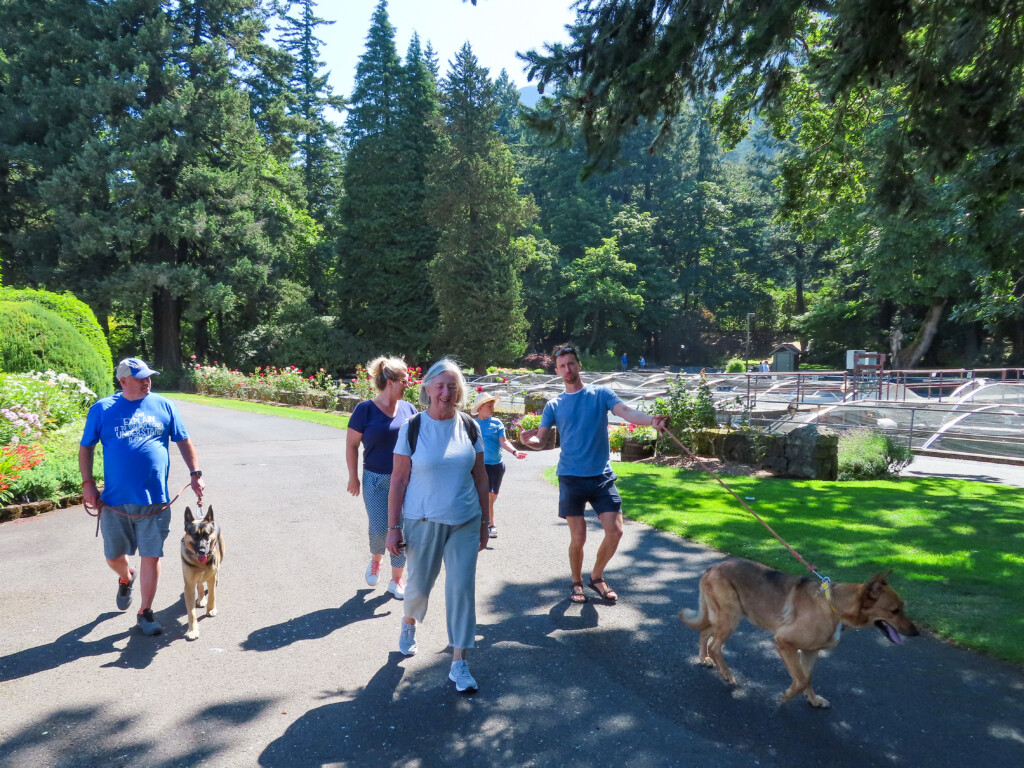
x=576, y=594
x=608, y=594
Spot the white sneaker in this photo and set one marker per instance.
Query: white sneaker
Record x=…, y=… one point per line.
x=397, y=588
x=373, y=572
x=407, y=639
x=459, y=674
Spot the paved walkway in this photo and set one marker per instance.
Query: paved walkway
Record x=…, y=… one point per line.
x=300, y=666
x=984, y=471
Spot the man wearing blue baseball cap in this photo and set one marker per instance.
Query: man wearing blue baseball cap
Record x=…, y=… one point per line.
x=135, y=427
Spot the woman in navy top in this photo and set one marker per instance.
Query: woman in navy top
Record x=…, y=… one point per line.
x=375, y=424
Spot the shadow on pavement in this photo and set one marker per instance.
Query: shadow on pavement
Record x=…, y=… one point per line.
x=318, y=624
x=564, y=684
x=205, y=736
x=66, y=648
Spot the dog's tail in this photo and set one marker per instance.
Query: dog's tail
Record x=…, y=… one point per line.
x=696, y=619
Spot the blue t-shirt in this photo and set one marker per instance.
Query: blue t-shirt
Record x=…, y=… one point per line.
x=380, y=432
x=136, y=435
x=582, y=421
x=492, y=430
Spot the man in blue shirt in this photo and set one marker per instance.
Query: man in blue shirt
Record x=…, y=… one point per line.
x=584, y=471
x=135, y=427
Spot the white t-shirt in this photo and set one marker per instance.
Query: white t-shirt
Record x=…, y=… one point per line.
x=441, y=487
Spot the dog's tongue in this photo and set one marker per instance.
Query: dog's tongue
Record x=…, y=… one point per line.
x=202, y=559
x=893, y=635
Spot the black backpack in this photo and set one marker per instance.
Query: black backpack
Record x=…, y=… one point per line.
x=468, y=423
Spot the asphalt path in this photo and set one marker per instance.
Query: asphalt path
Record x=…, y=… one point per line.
x=300, y=666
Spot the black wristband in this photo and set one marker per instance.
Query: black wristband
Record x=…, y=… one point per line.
x=196, y=473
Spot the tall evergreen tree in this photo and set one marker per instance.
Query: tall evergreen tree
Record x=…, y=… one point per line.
x=318, y=148
x=475, y=204
x=148, y=188
x=387, y=299
x=317, y=135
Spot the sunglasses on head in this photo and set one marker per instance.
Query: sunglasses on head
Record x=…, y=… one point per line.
x=565, y=351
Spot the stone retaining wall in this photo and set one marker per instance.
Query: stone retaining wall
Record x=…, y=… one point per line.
x=810, y=451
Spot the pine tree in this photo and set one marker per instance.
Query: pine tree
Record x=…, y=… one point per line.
x=142, y=167
x=385, y=245
x=317, y=136
x=475, y=204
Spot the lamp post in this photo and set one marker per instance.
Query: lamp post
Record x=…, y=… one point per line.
x=747, y=361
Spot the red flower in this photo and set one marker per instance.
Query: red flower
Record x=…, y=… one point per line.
x=479, y=389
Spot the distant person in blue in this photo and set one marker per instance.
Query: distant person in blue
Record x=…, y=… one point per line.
x=135, y=427
x=495, y=442
x=584, y=472
x=375, y=424
x=643, y=362
x=625, y=361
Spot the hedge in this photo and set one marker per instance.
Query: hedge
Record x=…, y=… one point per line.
x=32, y=338
x=72, y=309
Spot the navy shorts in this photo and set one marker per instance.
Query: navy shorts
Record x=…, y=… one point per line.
x=574, y=492
x=495, y=473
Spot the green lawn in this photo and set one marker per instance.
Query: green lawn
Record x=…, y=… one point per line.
x=956, y=546
x=329, y=419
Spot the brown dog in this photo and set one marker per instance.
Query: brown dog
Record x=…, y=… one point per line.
x=795, y=609
x=202, y=550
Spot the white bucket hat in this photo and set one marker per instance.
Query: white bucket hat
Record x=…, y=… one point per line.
x=482, y=399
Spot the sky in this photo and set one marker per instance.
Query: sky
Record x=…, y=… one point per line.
x=496, y=29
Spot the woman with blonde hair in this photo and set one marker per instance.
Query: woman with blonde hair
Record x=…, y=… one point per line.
x=375, y=424
x=440, y=482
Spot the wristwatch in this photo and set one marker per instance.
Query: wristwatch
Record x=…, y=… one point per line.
x=196, y=473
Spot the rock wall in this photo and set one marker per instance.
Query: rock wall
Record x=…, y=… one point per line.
x=810, y=451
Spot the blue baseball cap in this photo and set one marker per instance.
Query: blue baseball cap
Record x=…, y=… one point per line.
x=134, y=368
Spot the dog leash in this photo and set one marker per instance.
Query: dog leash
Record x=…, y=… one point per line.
x=101, y=506
x=826, y=582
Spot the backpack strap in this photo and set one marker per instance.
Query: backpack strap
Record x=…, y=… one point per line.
x=472, y=428
x=414, y=433
x=468, y=423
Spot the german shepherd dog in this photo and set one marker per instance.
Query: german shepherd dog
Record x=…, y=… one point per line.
x=796, y=609
x=202, y=551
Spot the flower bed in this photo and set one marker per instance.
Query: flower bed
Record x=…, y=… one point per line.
x=291, y=386
x=41, y=417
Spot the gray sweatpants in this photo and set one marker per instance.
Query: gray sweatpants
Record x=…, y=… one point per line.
x=428, y=544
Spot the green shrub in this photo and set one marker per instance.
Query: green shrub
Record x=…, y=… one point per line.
x=607, y=361
x=72, y=309
x=867, y=454
x=33, y=338
x=689, y=411
x=311, y=344
x=57, y=475
x=523, y=423
x=735, y=366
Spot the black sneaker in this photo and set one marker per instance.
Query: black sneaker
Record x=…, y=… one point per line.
x=124, y=591
x=148, y=624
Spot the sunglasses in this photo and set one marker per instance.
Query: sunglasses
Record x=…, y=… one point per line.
x=565, y=351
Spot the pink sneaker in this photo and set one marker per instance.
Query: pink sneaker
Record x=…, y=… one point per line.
x=373, y=573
